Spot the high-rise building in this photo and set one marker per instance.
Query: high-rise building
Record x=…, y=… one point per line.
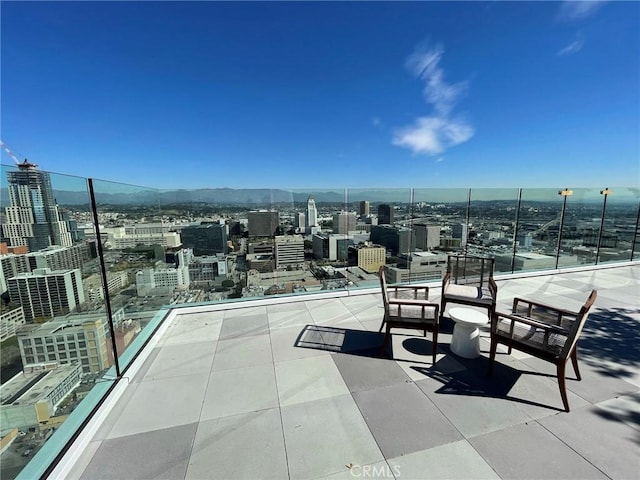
x=263, y=223
x=33, y=217
x=364, y=208
x=367, y=256
x=459, y=231
x=289, y=250
x=385, y=214
x=298, y=220
x=395, y=239
x=332, y=247
x=205, y=239
x=47, y=293
x=311, y=217
x=344, y=222
x=427, y=236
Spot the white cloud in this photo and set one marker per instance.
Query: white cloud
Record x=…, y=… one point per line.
x=423, y=63
x=574, y=10
x=572, y=48
x=432, y=135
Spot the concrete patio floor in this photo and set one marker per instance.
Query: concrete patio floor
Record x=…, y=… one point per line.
x=296, y=390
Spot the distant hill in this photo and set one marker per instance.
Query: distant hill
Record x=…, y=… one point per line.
x=263, y=196
x=257, y=196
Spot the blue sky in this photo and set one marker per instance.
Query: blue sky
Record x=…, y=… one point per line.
x=345, y=94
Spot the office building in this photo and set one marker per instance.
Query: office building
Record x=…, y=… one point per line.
x=289, y=250
x=263, y=223
x=205, y=239
x=396, y=239
x=365, y=209
x=427, y=236
x=130, y=236
x=417, y=267
x=47, y=293
x=369, y=257
x=53, y=258
x=385, y=214
x=69, y=339
x=459, y=231
x=332, y=247
x=525, y=241
x=11, y=318
x=299, y=220
x=344, y=222
x=30, y=398
x=33, y=218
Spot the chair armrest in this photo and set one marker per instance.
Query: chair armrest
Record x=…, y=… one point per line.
x=530, y=321
x=531, y=304
x=446, y=279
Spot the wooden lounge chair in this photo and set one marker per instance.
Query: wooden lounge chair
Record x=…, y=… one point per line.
x=546, y=332
x=469, y=281
x=407, y=306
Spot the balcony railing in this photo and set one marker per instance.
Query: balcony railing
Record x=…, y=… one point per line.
x=126, y=244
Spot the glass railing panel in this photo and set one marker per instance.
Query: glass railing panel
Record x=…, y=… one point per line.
x=581, y=227
x=145, y=267
x=60, y=334
x=381, y=233
x=440, y=226
x=537, y=230
x=619, y=227
x=492, y=221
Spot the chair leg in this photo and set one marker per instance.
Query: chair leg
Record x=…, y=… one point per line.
x=387, y=335
x=382, y=324
x=574, y=361
x=435, y=343
x=443, y=305
x=492, y=356
x=562, y=384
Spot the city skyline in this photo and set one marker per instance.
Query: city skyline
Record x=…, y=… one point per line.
x=313, y=95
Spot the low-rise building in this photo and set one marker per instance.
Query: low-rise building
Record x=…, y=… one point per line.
x=31, y=397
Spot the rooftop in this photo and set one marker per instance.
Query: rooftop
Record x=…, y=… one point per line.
x=296, y=390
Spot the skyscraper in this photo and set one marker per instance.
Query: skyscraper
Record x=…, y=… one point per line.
x=385, y=214
x=33, y=218
x=205, y=239
x=263, y=223
x=344, y=222
x=311, y=218
x=47, y=293
x=364, y=208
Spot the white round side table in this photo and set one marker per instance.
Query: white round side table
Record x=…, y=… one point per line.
x=466, y=335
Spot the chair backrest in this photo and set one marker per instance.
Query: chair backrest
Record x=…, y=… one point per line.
x=383, y=287
x=576, y=329
x=470, y=270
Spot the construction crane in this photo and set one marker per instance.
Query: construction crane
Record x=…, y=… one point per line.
x=10, y=153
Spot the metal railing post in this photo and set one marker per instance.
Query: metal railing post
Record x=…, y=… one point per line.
x=515, y=231
x=565, y=193
x=606, y=193
x=103, y=271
